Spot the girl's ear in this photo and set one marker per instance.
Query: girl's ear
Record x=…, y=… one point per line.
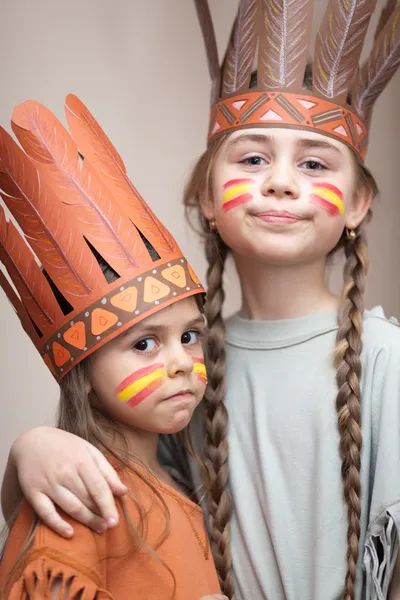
x=361, y=203
x=88, y=387
x=207, y=203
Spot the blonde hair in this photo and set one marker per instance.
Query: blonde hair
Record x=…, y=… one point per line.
x=346, y=359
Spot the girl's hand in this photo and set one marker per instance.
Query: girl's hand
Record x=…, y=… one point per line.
x=214, y=597
x=55, y=467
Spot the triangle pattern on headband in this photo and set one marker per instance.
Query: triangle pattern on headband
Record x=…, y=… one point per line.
x=79, y=213
x=337, y=100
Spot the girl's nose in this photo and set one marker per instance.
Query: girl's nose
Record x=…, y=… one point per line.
x=280, y=183
x=179, y=361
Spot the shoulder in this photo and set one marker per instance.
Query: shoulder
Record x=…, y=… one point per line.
x=84, y=549
x=381, y=335
x=381, y=427
x=86, y=546
x=50, y=556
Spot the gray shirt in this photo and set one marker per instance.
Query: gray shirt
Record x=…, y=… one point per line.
x=289, y=520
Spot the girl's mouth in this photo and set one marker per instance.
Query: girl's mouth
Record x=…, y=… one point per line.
x=279, y=217
x=182, y=395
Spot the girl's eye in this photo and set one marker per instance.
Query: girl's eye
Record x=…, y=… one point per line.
x=254, y=161
x=313, y=165
x=145, y=345
x=190, y=337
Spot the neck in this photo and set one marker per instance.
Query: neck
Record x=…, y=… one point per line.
x=140, y=445
x=273, y=292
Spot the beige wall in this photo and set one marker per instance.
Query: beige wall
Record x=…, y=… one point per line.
x=140, y=68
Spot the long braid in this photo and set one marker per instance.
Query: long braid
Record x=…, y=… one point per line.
x=216, y=420
x=348, y=364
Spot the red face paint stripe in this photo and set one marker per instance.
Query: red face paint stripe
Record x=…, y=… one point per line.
x=232, y=182
x=330, y=187
x=140, y=396
x=236, y=202
x=199, y=360
x=330, y=208
x=137, y=375
x=201, y=377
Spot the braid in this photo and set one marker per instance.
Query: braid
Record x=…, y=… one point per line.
x=348, y=365
x=216, y=420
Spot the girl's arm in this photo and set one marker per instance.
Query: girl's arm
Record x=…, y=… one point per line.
x=51, y=467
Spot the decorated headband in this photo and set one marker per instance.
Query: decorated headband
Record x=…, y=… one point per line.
x=71, y=206
x=274, y=35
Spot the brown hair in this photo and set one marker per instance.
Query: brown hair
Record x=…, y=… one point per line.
x=219, y=502
x=346, y=359
x=80, y=413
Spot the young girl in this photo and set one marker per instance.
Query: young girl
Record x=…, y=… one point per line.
x=312, y=381
x=116, y=314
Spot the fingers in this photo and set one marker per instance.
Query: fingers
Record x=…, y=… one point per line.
x=47, y=512
x=110, y=474
x=73, y=506
x=99, y=489
x=65, y=471
x=72, y=481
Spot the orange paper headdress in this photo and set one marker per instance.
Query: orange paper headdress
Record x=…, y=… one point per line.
x=273, y=37
x=72, y=199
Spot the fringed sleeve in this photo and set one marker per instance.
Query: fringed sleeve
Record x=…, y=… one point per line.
x=380, y=552
x=42, y=570
x=75, y=567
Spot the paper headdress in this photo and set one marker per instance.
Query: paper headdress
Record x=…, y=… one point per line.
x=273, y=36
x=71, y=197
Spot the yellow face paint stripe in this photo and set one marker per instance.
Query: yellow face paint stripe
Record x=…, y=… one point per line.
x=329, y=196
x=200, y=370
x=236, y=190
x=139, y=385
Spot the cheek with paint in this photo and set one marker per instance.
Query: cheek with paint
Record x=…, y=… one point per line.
x=138, y=386
x=328, y=197
x=237, y=192
x=199, y=369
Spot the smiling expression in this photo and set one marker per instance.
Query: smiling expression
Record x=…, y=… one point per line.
x=283, y=195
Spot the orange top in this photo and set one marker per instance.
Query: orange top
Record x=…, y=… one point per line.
x=101, y=566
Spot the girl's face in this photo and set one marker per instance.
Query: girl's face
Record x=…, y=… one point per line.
x=152, y=377
x=284, y=196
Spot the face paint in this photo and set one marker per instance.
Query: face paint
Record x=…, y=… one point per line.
x=328, y=197
x=236, y=192
x=199, y=369
x=136, y=387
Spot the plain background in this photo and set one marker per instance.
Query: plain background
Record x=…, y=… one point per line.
x=140, y=68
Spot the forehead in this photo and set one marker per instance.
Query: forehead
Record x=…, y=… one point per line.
x=284, y=136
x=176, y=315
